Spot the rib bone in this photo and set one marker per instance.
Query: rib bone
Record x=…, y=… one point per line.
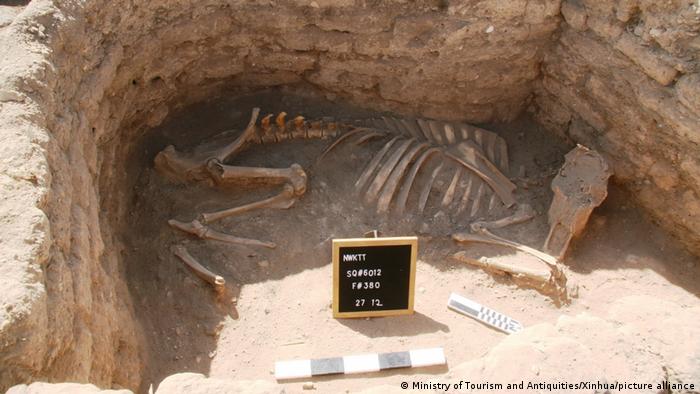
x=341, y=139
x=393, y=182
x=452, y=188
x=425, y=193
x=523, y=213
x=374, y=163
x=408, y=182
x=215, y=280
x=385, y=170
x=473, y=160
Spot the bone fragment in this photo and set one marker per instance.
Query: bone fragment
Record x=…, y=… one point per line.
x=579, y=187
x=215, y=280
x=195, y=227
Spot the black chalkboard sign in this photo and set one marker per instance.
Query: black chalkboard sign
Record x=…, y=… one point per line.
x=374, y=276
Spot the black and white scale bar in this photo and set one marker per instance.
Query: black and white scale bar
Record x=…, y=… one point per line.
x=295, y=369
x=485, y=315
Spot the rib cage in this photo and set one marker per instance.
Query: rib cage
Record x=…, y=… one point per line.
x=476, y=160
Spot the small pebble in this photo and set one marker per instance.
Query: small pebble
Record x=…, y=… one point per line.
x=489, y=29
x=264, y=263
x=308, y=386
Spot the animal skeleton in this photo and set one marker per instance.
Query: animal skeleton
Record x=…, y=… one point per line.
x=387, y=180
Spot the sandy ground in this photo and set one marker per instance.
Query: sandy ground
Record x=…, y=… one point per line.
x=278, y=302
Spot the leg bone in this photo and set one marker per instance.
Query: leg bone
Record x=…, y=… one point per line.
x=284, y=200
x=215, y=280
x=195, y=227
x=225, y=174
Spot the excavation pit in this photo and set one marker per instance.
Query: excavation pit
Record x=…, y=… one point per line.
x=91, y=92
x=280, y=299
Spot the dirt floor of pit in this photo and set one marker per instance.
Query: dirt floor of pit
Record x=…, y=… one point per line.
x=278, y=302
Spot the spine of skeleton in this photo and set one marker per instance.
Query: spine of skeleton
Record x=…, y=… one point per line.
x=277, y=128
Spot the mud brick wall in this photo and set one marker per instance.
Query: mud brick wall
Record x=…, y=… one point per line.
x=624, y=78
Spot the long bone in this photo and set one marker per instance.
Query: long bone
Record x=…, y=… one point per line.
x=552, y=281
x=540, y=276
x=195, y=227
x=283, y=200
x=485, y=236
x=238, y=175
x=215, y=280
